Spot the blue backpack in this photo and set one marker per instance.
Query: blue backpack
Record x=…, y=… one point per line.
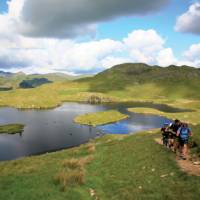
x=184, y=133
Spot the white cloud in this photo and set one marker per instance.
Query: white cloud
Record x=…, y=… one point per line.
x=110, y=61
x=189, y=21
x=192, y=55
x=57, y=55
x=166, y=57
x=50, y=55
x=144, y=45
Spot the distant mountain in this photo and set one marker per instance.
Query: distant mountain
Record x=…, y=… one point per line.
x=34, y=83
x=57, y=76
x=12, y=80
x=5, y=74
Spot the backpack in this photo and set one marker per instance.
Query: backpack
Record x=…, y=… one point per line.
x=184, y=133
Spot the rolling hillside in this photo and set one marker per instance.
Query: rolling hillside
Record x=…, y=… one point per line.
x=141, y=80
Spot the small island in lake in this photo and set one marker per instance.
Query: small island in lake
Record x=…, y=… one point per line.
x=100, y=118
x=11, y=128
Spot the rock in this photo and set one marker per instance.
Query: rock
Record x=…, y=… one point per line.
x=92, y=192
x=196, y=163
x=164, y=175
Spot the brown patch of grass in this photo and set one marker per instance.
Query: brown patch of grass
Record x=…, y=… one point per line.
x=86, y=160
x=91, y=148
x=69, y=178
x=72, y=164
x=75, y=150
x=72, y=173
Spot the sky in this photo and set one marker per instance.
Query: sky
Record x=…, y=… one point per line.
x=87, y=36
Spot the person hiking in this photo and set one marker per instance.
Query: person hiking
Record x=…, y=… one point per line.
x=184, y=132
x=165, y=134
x=173, y=138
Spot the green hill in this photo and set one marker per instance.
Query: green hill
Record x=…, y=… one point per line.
x=141, y=80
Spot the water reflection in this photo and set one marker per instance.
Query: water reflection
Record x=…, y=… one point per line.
x=51, y=130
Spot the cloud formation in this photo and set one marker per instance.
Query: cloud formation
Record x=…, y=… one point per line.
x=192, y=54
x=144, y=45
x=71, y=18
x=189, y=22
x=51, y=55
x=45, y=55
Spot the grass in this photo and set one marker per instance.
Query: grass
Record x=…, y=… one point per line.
x=66, y=178
x=124, y=167
x=11, y=128
x=114, y=166
x=100, y=118
x=73, y=170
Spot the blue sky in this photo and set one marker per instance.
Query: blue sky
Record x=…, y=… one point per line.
x=3, y=6
x=163, y=21
x=106, y=30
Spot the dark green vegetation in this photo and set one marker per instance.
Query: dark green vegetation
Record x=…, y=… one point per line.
x=122, y=168
x=11, y=128
x=34, y=82
x=2, y=88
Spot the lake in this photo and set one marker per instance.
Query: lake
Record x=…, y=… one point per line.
x=52, y=130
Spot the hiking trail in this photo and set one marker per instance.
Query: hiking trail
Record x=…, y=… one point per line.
x=188, y=166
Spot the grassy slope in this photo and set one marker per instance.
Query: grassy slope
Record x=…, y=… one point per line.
x=126, y=82
x=123, y=168
x=100, y=118
x=130, y=81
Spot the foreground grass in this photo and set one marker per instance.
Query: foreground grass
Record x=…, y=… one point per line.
x=124, y=168
x=12, y=128
x=100, y=118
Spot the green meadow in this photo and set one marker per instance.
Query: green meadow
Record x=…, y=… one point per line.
x=131, y=167
x=113, y=166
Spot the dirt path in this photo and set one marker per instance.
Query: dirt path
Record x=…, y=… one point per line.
x=188, y=166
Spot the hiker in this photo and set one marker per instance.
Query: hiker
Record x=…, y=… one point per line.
x=165, y=134
x=173, y=138
x=184, y=132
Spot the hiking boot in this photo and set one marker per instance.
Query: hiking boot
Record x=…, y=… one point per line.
x=184, y=158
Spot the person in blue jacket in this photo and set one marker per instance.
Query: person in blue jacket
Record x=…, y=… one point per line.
x=184, y=132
